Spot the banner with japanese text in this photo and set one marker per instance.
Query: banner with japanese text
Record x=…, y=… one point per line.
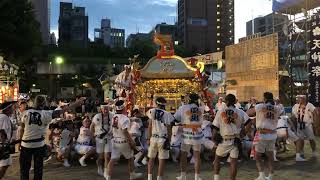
x=314, y=62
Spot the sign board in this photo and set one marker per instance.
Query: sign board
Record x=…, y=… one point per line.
x=35, y=90
x=210, y=58
x=314, y=61
x=253, y=65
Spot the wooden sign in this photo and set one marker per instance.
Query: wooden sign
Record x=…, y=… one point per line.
x=254, y=65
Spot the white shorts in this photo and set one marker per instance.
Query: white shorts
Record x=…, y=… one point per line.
x=264, y=146
x=82, y=149
x=227, y=147
x=102, y=146
x=188, y=147
x=157, y=148
x=208, y=143
x=121, y=149
x=6, y=162
x=306, y=133
x=292, y=136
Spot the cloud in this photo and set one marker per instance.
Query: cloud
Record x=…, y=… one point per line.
x=171, y=3
x=173, y=14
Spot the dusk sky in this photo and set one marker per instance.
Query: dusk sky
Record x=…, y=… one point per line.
x=143, y=15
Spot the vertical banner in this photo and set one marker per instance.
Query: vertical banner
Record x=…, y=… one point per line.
x=314, y=62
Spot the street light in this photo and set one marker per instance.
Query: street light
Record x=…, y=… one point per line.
x=59, y=60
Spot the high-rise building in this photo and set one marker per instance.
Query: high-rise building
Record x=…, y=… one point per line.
x=42, y=15
x=73, y=25
x=117, y=37
x=206, y=25
x=266, y=25
x=112, y=37
x=53, y=39
x=167, y=29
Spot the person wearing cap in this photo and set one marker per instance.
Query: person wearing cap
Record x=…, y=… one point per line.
x=220, y=104
x=267, y=116
x=5, y=125
x=34, y=125
x=159, y=133
x=122, y=142
x=191, y=118
x=304, y=113
x=229, y=121
x=101, y=128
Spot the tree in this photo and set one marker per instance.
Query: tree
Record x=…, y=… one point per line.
x=19, y=31
x=145, y=48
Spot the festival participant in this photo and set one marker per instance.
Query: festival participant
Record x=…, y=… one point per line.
x=284, y=131
x=208, y=144
x=101, y=128
x=123, y=82
x=238, y=105
x=248, y=105
x=278, y=103
x=176, y=138
x=159, y=134
x=122, y=142
x=229, y=121
x=34, y=128
x=191, y=117
x=22, y=107
x=84, y=145
x=220, y=104
x=6, y=135
x=267, y=115
x=136, y=133
x=304, y=112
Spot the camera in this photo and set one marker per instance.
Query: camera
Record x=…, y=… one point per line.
x=6, y=149
x=102, y=135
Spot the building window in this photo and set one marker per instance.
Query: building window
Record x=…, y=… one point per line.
x=218, y=12
x=218, y=34
x=197, y=21
x=218, y=49
x=218, y=5
x=218, y=41
x=218, y=27
x=218, y=20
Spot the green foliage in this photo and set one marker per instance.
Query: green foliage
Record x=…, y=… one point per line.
x=145, y=48
x=19, y=31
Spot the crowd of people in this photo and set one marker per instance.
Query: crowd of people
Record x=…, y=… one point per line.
x=41, y=131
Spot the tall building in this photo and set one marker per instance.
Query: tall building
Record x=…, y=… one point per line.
x=167, y=29
x=206, y=25
x=267, y=24
x=112, y=37
x=42, y=14
x=73, y=25
x=117, y=37
x=53, y=39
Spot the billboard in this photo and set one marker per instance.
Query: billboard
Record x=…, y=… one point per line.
x=253, y=67
x=314, y=61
